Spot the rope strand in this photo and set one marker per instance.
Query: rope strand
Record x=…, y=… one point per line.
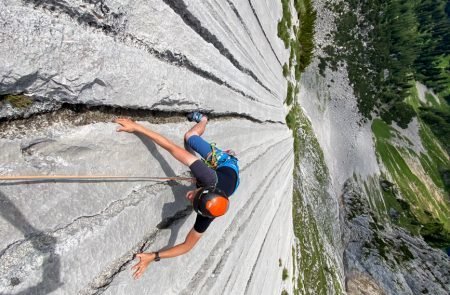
x=75, y=177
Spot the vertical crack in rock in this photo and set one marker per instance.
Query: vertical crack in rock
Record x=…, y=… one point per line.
x=102, y=282
x=88, y=221
x=236, y=12
x=180, y=8
x=262, y=29
x=117, y=30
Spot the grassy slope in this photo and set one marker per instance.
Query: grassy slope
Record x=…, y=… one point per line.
x=417, y=178
x=317, y=270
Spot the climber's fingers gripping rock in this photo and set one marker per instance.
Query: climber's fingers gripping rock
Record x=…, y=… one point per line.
x=127, y=125
x=144, y=260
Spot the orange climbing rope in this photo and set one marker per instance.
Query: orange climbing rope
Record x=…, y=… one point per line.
x=93, y=177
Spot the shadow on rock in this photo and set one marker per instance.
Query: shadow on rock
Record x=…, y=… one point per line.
x=171, y=217
x=43, y=243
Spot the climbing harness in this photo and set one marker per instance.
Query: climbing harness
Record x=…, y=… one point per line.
x=217, y=157
x=212, y=158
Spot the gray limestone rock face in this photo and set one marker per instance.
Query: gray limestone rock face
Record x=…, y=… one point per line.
x=80, y=231
x=138, y=55
x=82, y=63
x=380, y=258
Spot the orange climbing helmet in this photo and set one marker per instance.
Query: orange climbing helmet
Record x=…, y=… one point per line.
x=211, y=202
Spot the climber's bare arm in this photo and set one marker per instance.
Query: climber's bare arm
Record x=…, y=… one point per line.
x=177, y=152
x=146, y=258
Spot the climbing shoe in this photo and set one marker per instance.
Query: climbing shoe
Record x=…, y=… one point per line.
x=194, y=116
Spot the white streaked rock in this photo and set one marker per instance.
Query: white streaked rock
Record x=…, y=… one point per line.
x=91, y=225
x=66, y=61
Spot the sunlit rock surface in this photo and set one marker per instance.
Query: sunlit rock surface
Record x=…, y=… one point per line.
x=154, y=55
x=85, y=62
x=381, y=258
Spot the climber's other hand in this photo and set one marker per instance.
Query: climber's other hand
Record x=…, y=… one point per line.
x=144, y=260
x=127, y=125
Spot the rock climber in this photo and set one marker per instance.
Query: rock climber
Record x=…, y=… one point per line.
x=217, y=177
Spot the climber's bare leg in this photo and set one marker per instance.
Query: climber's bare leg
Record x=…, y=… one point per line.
x=198, y=128
x=177, y=152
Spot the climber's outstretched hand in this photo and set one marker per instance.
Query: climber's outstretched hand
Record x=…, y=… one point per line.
x=127, y=125
x=144, y=260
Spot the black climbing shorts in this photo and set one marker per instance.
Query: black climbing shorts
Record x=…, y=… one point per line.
x=206, y=177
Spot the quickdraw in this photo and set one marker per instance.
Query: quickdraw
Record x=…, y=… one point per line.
x=215, y=156
x=212, y=160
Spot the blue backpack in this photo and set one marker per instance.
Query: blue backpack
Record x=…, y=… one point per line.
x=218, y=158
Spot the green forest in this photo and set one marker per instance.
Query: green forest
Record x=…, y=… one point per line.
x=388, y=45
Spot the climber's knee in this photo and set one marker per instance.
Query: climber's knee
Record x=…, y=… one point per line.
x=189, y=134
